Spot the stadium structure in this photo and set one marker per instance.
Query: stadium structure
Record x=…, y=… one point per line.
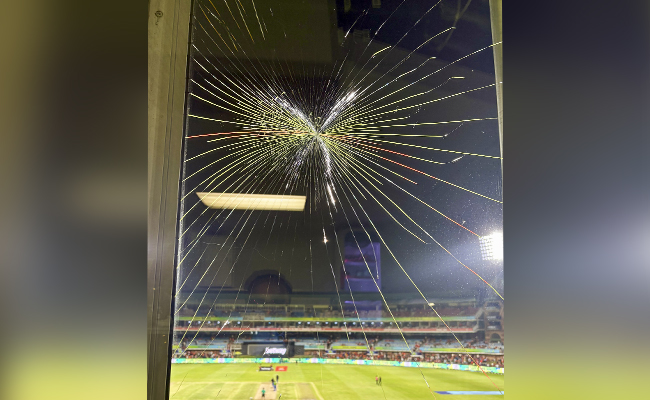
x=317, y=327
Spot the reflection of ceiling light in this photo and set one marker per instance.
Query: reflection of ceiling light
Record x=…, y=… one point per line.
x=242, y=201
x=492, y=246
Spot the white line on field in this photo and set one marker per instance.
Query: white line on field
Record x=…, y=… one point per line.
x=316, y=391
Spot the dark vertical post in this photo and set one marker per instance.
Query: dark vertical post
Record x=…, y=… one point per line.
x=497, y=36
x=168, y=35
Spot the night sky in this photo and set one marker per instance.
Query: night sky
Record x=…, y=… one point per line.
x=301, y=60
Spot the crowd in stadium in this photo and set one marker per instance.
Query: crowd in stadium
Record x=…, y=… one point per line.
x=400, y=312
x=198, y=354
x=421, y=349
x=452, y=358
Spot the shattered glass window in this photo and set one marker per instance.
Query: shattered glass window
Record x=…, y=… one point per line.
x=340, y=198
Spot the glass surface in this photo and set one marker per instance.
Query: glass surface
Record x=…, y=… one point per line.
x=341, y=186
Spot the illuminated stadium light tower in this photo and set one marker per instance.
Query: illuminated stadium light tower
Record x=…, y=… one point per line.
x=492, y=246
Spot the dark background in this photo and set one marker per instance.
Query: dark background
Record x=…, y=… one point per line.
x=303, y=43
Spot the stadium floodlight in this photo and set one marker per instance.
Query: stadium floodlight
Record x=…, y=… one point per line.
x=492, y=246
x=244, y=201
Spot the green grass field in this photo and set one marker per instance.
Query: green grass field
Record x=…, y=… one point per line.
x=325, y=382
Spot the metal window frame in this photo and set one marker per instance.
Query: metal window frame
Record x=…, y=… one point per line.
x=496, y=19
x=169, y=36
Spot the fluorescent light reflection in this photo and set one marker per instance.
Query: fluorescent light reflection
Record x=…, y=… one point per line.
x=243, y=201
